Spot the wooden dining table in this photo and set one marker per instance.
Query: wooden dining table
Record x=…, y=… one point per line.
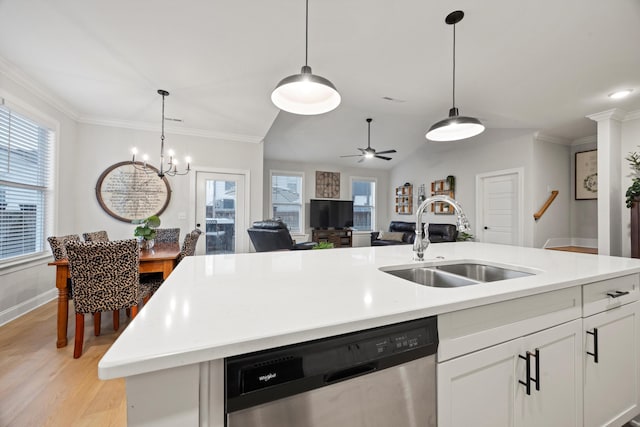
x=160, y=259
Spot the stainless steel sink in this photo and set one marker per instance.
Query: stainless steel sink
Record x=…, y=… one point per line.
x=453, y=275
x=432, y=277
x=482, y=272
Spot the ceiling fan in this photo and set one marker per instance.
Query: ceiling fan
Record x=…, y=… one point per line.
x=369, y=153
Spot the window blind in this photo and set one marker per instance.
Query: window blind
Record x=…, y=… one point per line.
x=25, y=165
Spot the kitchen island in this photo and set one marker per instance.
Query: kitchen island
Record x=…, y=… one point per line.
x=212, y=307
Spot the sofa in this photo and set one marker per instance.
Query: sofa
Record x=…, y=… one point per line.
x=404, y=233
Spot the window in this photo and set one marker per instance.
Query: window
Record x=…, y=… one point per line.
x=363, y=193
x=286, y=199
x=25, y=155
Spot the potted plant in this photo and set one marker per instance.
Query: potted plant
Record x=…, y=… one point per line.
x=633, y=196
x=146, y=231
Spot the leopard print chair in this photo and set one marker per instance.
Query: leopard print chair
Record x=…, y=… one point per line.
x=105, y=278
x=57, y=245
x=59, y=252
x=168, y=235
x=189, y=245
x=96, y=236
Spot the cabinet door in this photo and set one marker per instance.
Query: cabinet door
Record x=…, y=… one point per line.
x=559, y=400
x=478, y=389
x=611, y=386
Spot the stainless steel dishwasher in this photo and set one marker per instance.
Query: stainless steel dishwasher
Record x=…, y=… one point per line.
x=378, y=377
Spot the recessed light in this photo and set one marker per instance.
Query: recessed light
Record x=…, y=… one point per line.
x=620, y=94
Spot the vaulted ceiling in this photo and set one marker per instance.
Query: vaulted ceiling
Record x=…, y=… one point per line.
x=539, y=65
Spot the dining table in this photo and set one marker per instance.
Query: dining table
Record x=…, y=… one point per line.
x=159, y=259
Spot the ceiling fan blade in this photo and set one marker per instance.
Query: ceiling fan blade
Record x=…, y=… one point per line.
x=362, y=149
x=361, y=160
x=386, y=152
x=383, y=157
x=353, y=155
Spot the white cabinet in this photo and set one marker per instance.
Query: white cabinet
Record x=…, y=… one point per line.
x=611, y=385
x=485, y=388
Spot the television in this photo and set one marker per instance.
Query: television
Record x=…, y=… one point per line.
x=331, y=213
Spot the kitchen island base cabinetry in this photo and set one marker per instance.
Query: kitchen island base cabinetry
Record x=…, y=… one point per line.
x=611, y=385
x=488, y=388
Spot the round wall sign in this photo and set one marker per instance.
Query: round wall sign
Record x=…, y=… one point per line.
x=129, y=190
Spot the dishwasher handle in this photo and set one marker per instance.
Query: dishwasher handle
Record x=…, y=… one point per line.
x=350, y=372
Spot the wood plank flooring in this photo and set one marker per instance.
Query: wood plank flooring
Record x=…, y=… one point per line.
x=41, y=385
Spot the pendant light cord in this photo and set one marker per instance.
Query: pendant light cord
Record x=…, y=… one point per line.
x=306, y=35
x=454, y=65
x=162, y=140
x=369, y=134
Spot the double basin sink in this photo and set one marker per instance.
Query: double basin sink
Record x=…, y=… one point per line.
x=454, y=275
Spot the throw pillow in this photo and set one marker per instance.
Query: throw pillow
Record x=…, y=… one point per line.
x=391, y=235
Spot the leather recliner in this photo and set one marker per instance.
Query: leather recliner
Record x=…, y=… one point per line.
x=273, y=235
x=438, y=233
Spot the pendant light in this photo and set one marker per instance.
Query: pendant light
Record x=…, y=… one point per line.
x=455, y=127
x=306, y=93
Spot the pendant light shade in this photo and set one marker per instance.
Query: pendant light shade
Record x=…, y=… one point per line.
x=455, y=127
x=306, y=93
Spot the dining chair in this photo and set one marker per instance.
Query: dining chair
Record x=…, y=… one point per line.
x=189, y=245
x=167, y=235
x=59, y=252
x=105, y=277
x=96, y=236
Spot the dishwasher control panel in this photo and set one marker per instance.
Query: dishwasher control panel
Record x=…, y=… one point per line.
x=257, y=377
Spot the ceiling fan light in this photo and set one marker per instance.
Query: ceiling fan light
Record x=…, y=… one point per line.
x=455, y=128
x=305, y=94
x=368, y=155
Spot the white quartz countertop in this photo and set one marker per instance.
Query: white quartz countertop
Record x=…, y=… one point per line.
x=223, y=305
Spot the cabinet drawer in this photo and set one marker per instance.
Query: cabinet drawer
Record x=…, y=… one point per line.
x=468, y=330
x=596, y=299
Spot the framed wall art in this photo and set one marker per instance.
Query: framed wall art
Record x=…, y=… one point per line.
x=127, y=191
x=328, y=185
x=587, y=175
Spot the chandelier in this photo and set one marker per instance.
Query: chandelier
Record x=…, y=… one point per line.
x=170, y=168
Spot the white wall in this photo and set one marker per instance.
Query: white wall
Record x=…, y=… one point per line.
x=28, y=285
x=493, y=150
x=100, y=146
x=551, y=171
x=630, y=143
x=584, y=213
x=383, y=192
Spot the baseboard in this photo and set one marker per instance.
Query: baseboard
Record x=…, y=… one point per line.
x=24, y=307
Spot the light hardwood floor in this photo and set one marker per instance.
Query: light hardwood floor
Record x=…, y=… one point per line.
x=41, y=385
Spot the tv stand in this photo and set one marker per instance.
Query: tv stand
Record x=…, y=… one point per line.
x=340, y=238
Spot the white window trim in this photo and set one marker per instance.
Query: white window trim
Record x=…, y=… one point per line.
x=374, y=225
x=51, y=215
x=303, y=200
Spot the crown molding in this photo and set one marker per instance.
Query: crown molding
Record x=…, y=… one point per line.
x=585, y=140
x=20, y=77
x=613, y=114
x=633, y=115
x=550, y=138
x=203, y=133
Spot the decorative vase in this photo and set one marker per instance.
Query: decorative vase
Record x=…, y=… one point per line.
x=146, y=244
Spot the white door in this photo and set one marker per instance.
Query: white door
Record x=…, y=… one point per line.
x=499, y=208
x=611, y=387
x=559, y=400
x=478, y=389
x=221, y=212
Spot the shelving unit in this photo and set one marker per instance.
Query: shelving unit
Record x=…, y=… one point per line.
x=404, y=200
x=339, y=238
x=442, y=187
